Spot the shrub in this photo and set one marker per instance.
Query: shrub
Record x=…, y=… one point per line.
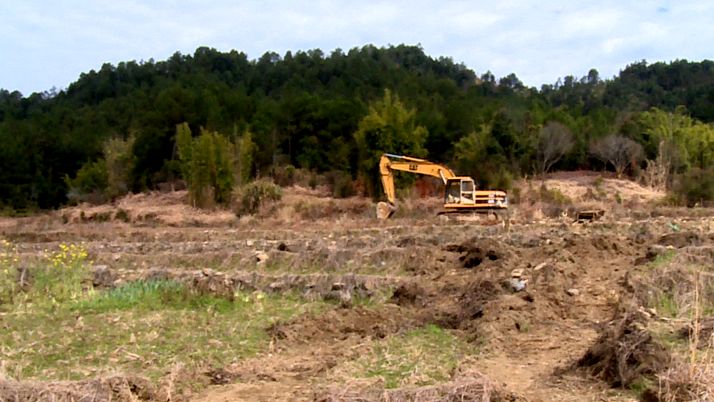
x=313, y=182
x=245, y=150
x=553, y=196
x=207, y=165
x=598, y=182
x=90, y=183
x=695, y=187
x=341, y=184
x=284, y=175
x=515, y=195
x=249, y=198
x=119, y=162
x=122, y=215
x=107, y=178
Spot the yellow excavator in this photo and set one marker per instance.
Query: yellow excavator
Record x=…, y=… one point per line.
x=460, y=194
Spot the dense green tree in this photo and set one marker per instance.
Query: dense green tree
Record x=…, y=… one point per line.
x=303, y=108
x=245, y=157
x=388, y=127
x=119, y=160
x=675, y=143
x=90, y=183
x=480, y=156
x=207, y=166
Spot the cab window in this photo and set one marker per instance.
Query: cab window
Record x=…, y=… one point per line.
x=452, y=193
x=467, y=186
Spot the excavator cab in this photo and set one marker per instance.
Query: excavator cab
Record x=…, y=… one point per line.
x=460, y=190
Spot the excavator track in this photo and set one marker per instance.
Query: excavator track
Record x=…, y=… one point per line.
x=494, y=215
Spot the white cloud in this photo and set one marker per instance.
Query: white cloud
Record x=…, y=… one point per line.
x=46, y=44
x=611, y=44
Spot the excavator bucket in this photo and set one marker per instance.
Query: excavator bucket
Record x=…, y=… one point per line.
x=385, y=210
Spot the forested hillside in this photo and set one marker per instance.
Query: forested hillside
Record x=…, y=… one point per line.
x=115, y=130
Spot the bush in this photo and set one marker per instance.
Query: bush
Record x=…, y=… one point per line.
x=284, y=175
x=553, y=196
x=341, y=184
x=119, y=162
x=479, y=155
x=515, y=195
x=695, y=187
x=122, y=215
x=249, y=198
x=105, y=179
x=90, y=183
x=207, y=165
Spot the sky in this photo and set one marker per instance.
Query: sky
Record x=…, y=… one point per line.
x=48, y=44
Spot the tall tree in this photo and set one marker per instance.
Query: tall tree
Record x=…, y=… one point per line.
x=618, y=151
x=554, y=141
x=389, y=127
x=207, y=166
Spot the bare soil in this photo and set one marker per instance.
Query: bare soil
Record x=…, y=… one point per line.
x=539, y=302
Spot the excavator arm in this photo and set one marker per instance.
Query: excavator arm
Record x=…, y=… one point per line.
x=388, y=163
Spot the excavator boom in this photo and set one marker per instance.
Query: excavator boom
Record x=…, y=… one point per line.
x=388, y=163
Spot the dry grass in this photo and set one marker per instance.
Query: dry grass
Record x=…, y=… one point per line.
x=660, y=343
x=113, y=388
x=692, y=379
x=575, y=185
x=679, y=287
x=562, y=193
x=423, y=356
x=149, y=209
x=687, y=382
x=470, y=387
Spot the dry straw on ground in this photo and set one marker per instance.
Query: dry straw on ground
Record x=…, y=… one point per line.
x=116, y=388
x=470, y=387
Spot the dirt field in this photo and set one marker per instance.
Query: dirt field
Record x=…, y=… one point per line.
x=416, y=308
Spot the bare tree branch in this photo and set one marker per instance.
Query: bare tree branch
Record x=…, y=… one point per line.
x=554, y=141
x=618, y=151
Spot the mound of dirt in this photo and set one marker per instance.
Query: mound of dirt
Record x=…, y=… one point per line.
x=149, y=209
x=579, y=186
x=222, y=284
x=410, y=294
x=477, y=250
x=116, y=388
x=625, y=351
x=680, y=239
x=340, y=324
